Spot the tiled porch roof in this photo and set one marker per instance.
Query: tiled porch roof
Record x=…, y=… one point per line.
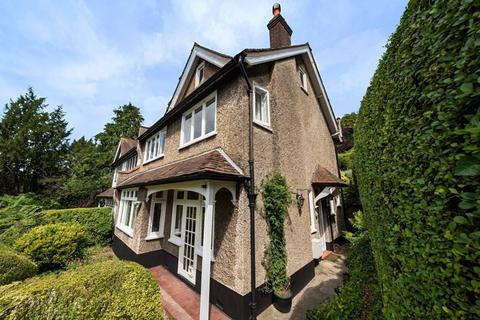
x=212, y=164
x=105, y=194
x=323, y=177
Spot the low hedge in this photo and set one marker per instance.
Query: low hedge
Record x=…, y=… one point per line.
x=97, y=221
x=14, y=267
x=417, y=145
x=52, y=246
x=109, y=289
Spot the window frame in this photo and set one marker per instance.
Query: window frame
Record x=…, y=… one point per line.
x=303, y=79
x=265, y=124
x=160, y=233
x=201, y=66
x=146, y=151
x=190, y=112
x=126, y=196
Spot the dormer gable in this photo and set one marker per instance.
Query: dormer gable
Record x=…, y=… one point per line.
x=125, y=146
x=201, y=64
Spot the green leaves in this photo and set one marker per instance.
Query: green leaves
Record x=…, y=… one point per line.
x=417, y=145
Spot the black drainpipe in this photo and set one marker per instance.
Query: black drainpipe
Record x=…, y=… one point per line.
x=252, y=195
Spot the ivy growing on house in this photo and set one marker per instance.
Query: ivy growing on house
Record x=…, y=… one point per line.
x=276, y=199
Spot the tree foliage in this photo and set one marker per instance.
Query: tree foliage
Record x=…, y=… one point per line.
x=33, y=145
x=418, y=163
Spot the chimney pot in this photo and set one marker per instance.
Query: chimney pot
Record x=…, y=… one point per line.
x=276, y=9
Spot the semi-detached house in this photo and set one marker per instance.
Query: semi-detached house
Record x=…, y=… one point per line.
x=184, y=196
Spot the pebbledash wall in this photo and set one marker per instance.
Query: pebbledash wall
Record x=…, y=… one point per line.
x=299, y=140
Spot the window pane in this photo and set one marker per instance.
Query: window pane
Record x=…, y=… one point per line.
x=258, y=106
x=187, y=129
x=128, y=213
x=210, y=116
x=178, y=220
x=180, y=194
x=264, y=108
x=162, y=142
x=192, y=195
x=157, y=211
x=197, y=124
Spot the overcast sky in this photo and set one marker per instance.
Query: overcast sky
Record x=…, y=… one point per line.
x=92, y=56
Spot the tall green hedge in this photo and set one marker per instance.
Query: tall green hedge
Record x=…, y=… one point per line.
x=417, y=144
x=110, y=289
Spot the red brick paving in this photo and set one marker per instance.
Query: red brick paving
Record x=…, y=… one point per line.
x=179, y=300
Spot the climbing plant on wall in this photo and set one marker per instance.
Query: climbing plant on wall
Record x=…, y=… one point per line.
x=276, y=199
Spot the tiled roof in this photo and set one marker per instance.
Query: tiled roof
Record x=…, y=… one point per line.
x=106, y=194
x=212, y=164
x=323, y=177
x=126, y=145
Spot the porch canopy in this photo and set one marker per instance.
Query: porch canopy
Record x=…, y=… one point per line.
x=205, y=174
x=326, y=183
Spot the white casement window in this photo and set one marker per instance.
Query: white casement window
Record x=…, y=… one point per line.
x=200, y=74
x=200, y=122
x=156, y=222
x=155, y=146
x=261, y=103
x=127, y=210
x=303, y=78
x=130, y=163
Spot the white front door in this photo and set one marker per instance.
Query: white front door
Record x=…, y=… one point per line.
x=321, y=225
x=187, y=259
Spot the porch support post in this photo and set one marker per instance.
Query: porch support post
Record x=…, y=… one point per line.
x=207, y=252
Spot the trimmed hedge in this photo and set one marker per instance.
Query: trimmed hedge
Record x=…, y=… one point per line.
x=14, y=267
x=105, y=290
x=97, y=221
x=417, y=144
x=52, y=246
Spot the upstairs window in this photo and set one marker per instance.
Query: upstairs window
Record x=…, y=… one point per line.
x=200, y=74
x=199, y=122
x=130, y=163
x=303, y=79
x=261, y=103
x=155, y=146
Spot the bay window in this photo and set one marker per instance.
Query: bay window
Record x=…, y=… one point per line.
x=127, y=210
x=199, y=122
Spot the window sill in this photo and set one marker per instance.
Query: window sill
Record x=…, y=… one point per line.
x=153, y=159
x=304, y=90
x=153, y=237
x=127, y=231
x=313, y=230
x=263, y=125
x=208, y=135
x=176, y=241
x=129, y=171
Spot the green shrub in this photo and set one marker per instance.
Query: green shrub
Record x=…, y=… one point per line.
x=52, y=246
x=28, y=199
x=345, y=159
x=14, y=267
x=417, y=142
x=276, y=199
x=360, y=298
x=105, y=290
x=97, y=221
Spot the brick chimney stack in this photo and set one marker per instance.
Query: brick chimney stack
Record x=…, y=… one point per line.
x=280, y=31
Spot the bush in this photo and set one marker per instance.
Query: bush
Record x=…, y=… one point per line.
x=276, y=199
x=97, y=221
x=14, y=267
x=52, y=246
x=360, y=298
x=105, y=290
x=417, y=142
x=345, y=159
